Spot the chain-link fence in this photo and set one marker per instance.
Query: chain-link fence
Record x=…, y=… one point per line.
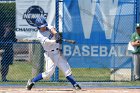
x=102, y=57
x=102, y=30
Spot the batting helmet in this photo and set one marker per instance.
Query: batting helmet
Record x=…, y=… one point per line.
x=137, y=25
x=41, y=22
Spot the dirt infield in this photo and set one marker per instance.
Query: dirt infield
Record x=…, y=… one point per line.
x=62, y=90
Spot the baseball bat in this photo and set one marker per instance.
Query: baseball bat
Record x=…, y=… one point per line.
x=69, y=41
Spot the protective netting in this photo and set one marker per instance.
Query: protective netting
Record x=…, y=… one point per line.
x=99, y=55
x=102, y=30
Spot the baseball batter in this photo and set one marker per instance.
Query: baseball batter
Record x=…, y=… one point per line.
x=50, y=41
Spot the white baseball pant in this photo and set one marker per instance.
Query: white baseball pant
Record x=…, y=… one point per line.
x=54, y=58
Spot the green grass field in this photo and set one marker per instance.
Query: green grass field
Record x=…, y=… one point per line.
x=89, y=74
x=22, y=71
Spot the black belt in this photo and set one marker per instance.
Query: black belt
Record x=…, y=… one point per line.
x=52, y=50
x=56, y=49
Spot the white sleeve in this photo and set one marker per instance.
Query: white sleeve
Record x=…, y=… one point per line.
x=44, y=40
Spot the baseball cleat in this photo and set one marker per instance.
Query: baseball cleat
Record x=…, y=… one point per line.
x=29, y=85
x=77, y=87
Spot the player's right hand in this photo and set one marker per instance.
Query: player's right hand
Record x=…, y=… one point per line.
x=57, y=36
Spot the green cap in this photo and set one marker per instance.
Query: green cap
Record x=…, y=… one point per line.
x=137, y=25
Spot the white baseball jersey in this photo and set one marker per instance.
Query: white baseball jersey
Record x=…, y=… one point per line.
x=47, y=39
x=52, y=58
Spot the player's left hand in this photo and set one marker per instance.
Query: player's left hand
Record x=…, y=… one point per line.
x=58, y=38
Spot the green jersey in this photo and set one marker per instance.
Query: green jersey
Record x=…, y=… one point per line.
x=135, y=36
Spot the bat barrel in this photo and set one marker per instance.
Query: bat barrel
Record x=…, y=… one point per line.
x=69, y=41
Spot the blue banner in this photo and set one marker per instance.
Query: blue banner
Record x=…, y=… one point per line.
x=102, y=29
